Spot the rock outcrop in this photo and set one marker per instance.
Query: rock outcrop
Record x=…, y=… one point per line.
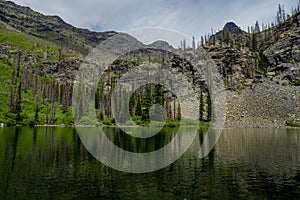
x=236, y=65
x=283, y=54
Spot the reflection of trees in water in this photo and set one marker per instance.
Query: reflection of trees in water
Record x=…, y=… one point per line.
x=11, y=145
x=141, y=145
x=56, y=165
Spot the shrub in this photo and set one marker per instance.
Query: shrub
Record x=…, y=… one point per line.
x=297, y=82
x=292, y=124
x=109, y=122
x=85, y=120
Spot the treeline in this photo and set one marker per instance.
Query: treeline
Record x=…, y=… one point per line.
x=140, y=103
x=35, y=99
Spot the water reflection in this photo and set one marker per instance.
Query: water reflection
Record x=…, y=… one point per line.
x=51, y=163
x=153, y=156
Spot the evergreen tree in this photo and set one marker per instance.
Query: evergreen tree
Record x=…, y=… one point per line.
x=18, y=103
x=194, y=44
x=201, y=106
x=256, y=27
x=254, y=43
x=138, y=110
x=209, y=107
x=147, y=102
x=158, y=95
x=178, y=117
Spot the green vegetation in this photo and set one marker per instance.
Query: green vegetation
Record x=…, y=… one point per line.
x=168, y=123
x=292, y=124
x=204, y=125
x=24, y=42
x=297, y=82
x=109, y=122
x=21, y=100
x=262, y=64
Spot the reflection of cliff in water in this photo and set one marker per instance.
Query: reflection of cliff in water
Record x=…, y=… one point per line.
x=266, y=148
x=51, y=163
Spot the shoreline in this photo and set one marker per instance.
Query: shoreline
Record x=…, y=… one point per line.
x=114, y=126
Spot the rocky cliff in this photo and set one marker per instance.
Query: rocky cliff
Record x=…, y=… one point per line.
x=272, y=53
x=261, y=70
x=282, y=52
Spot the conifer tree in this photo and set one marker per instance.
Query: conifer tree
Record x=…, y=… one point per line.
x=147, y=102
x=194, y=44
x=178, y=117
x=256, y=27
x=201, y=106
x=209, y=106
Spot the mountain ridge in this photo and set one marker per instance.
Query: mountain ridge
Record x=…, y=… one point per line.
x=49, y=51
x=51, y=28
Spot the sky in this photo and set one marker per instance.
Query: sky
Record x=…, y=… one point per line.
x=190, y=17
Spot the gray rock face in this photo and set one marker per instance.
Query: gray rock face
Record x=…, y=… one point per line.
x=65, y=70
x=162, y=58
x=237, y=66
x=283, y=56
x=161, y=45
x=270, y=72
x=233, y=28
x=229, y=28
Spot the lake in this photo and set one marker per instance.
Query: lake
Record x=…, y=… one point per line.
x=52, y=163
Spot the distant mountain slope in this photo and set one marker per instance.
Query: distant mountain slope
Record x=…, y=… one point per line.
x=230, y=27
x=51, y=28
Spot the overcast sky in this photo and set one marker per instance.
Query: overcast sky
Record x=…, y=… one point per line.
x=191, y=17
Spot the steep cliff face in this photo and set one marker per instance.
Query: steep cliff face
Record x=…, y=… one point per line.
x=283, y=53
x=264, y=68
x=236, y=65
x=236, y=61
x=273, y=53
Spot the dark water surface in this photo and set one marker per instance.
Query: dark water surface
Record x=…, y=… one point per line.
x=52, y=163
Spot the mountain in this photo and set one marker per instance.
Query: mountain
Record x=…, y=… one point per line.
x=51, y=28
x=229, y=28
x=233, y=28
x=263, y=68
x=272, y=53
x=161, y=45
x=40, y=55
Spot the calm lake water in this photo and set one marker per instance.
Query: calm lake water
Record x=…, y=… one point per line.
x=52, y=163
